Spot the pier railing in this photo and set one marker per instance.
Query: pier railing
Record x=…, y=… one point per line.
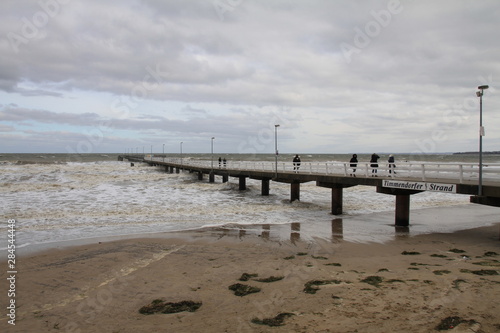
x=461, y=172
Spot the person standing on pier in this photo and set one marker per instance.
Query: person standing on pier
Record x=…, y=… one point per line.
x=354, y=164
x=296, y=163
x=224, y=162
x=391, y=164
x=374, y=164
x=220, y=161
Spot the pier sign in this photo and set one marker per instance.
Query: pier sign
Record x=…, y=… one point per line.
x=420, y=186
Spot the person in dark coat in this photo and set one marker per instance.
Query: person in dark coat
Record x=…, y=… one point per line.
x=374, y=164
x=296, y=163
x=353, y=164
x=391, y=164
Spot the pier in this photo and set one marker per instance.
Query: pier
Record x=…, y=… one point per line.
x=406, y=179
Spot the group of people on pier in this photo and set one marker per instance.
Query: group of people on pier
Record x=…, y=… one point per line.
x=373, y=164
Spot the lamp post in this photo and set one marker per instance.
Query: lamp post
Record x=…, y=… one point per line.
x=151, y=156
x=213, y=138
x=181, y=151
x=481, y=134
x=163, y=152
x=276, y=149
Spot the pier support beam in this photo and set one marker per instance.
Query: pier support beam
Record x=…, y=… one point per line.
x=337, y=195
x=200, y=175
x=211, y=177
x=402, y=218
x=225, y=178
x=177, y=170
x=265, y=187
x=242, y=184
x=402, y=210
x=294, y=191
x=337, y=200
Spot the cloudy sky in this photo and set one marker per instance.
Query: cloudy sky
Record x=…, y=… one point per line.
x=340, y=76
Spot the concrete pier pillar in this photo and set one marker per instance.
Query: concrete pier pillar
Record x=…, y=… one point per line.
x=171, y=169
x=177, y=170
x=265, y=187
x=242, y=183
x=402, y=210
x=294, y=191
x=337, y=200
x=166, y=168
x=200, y=175
x=211, y=177
x=225, y=178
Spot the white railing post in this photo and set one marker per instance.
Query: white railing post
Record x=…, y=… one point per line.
x=423, y=172
x=461, y=173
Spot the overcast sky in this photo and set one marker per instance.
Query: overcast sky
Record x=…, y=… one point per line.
x=340, y=76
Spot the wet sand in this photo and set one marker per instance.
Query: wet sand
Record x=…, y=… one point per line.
x=409, y=284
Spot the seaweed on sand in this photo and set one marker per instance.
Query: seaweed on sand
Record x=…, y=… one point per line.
x=410, y=253
x=449, y=323
x=270, y=279
x=276, y=321
x=247, y=276
x=160, y=306
x=480, y=272
x=311, y=287
x=373, y=280
x=243, y=289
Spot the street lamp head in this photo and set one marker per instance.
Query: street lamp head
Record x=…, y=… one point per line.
x=213, y=138
x=483, y=87
x=277, y=125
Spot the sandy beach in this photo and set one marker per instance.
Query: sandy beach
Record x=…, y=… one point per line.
x=410, y=284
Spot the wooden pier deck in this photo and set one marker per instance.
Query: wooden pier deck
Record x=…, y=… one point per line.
x=411, y=178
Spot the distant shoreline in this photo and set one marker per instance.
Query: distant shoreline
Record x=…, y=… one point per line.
x=477, y=153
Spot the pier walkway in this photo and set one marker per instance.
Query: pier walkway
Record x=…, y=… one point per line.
x=406, y=179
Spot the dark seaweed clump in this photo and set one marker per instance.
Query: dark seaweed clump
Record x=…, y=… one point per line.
x=243, y=289
x=480, y=272
x=160, y=306
x=247, y=276
x=311, y=287
x=410, y=253
x=373, y=280
x=456, y=251
x=270, y=279
x=276, y=321
x=452, y=322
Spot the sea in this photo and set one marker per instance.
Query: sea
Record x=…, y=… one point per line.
x=69, y=199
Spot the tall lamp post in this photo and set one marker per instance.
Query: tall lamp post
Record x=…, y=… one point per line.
x=276, y=149
x=181, y=151
x=163, y=152
x=481, y=134
x=213, y=138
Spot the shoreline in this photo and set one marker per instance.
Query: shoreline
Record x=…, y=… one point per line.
x=376, y=227
x=368, y=287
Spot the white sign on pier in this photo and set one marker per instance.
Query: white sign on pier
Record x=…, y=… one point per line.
x=420, y=186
